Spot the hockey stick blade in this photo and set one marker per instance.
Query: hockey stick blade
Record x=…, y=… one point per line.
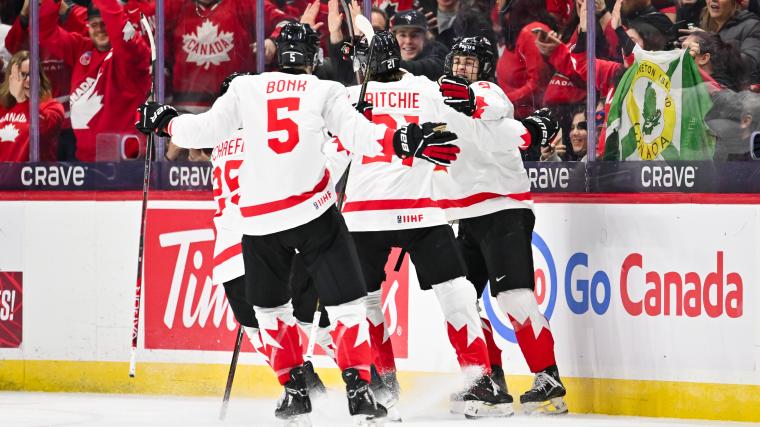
x=363, y=25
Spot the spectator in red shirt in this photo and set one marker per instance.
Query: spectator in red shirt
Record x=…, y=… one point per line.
x=207, y=40
x=521, y=71
x=110, y=74
x=72, y=18
x=14, y=113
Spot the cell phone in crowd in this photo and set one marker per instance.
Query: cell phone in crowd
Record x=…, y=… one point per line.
x=542, y=35
x=754, y=145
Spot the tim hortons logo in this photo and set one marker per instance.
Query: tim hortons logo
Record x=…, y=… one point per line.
x=185, y=310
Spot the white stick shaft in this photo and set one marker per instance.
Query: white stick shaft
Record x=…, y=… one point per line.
x=132, y=363
x=313, y=334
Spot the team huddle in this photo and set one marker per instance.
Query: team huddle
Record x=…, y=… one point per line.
x=418, y=155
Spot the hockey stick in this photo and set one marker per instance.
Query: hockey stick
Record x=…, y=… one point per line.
x=144, y=210
x=400, y=260
x=313, y=332
x=365, y=27
x=351, y=33
x=231, y=375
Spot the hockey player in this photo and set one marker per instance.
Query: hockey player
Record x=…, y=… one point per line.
x=496, y=225
x=228, y=268
x=389, y=203
x=286, y=201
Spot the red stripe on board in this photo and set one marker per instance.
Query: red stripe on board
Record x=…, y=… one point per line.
x=228, y=253
x=377, y=205
x=650, y=198
x=269, y=207
x=78, y=196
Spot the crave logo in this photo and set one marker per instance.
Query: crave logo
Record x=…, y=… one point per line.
x=185, y=310
x=10, y=309
x=641, y=289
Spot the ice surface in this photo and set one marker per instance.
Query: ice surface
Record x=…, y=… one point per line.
x=20, y=409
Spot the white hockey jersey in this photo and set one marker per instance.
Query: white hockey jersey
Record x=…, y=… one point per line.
x=388, y=193
x=488, y=175
x=284, y=181
x=385, y=192
x=226, y=160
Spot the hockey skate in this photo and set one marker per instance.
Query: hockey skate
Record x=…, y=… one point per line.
x=483, y=399
x=362, y=405
x=387, y=391
x=295, y=405
x=546, y=395
x=314, y=384
x=497, y=375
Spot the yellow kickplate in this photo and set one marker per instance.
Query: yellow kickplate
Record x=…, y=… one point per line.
x=584, y=395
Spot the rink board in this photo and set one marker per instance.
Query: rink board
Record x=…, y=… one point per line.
x=624, y=345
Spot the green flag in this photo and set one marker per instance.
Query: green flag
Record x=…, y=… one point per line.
x=658, y=110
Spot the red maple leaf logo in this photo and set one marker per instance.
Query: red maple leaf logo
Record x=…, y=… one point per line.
x=480, y=106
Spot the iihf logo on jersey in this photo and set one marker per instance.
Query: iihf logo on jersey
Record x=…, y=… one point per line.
x=322, y=200
x=545, y=276
x=402, y=219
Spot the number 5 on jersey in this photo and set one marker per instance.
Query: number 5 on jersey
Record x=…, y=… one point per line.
x=279, y=121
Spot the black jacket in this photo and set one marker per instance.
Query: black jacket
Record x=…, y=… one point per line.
x=429, y=62
x=653, y=17
x=744, y=30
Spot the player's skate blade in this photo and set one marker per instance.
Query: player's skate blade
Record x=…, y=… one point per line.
x=385, y=393
x=362, y=406
x=295, y=399
x=482, y=399
x=474, y=409
x=302, y=420
x=546, y=394
x=555, y=406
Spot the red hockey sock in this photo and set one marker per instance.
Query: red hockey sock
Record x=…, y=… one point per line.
x=350, y=334
x=531, y=328
x=459, y=304
x=382, y=348
x=494, y=352
x=280, y=340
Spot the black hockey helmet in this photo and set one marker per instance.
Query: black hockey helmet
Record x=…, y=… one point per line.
x=297, y=45
x=227, y=80
x=386, y=55
x=478, y=47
